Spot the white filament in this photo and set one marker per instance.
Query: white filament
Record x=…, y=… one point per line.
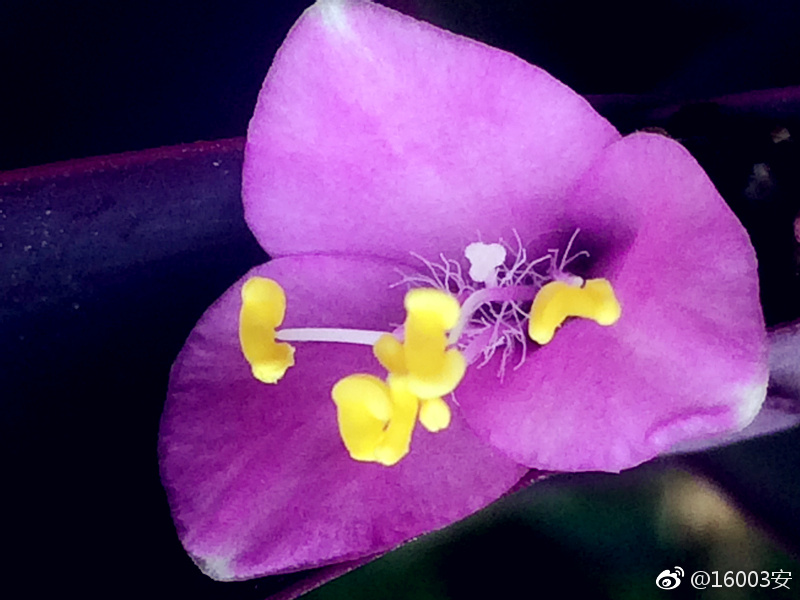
x=364, y=337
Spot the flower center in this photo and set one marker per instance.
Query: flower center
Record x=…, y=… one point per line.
x=450, y=323
x=376, y=418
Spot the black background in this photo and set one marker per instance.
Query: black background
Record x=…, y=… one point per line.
x=87, y=77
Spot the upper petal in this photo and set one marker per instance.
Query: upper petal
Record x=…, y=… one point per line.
x=686, y=360
x=378, y=134
x=259, y=481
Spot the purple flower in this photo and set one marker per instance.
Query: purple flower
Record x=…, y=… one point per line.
x=376, y=139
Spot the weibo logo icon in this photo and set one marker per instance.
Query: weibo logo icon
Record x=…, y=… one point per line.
x=667, y=580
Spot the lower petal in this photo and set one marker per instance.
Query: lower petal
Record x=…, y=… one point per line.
x=687, y=359
x=257, y=478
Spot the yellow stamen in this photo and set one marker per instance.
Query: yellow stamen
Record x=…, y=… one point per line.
x=364, y=409
x=376, y=419
x=396, y=441
x=421, y=369
x=263, y=309
x=389, y=352
x=433, y=370
x=558, y=300
x=434, y=414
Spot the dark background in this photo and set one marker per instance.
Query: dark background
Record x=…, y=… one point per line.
x=105, y=266
x=87, y=77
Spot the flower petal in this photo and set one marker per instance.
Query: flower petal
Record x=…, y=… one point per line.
x=257, y=477
x=378, y=134
x=687, y=359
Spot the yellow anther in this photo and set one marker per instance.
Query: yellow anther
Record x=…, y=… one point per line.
x=444, y=380
x=558, y=300
x=396, y=441
x=433, y=370
x=263, y=309
x=434, y=414
x=389, y=352
x=376, y=419
x=440, y=305
x=364, y=408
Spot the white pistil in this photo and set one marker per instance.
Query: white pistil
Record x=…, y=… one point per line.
x=484, y=260
x=364, y=337
x=517, y=293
